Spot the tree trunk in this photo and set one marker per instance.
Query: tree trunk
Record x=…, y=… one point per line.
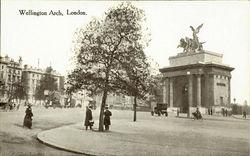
x=135, y=108
x=104, y=97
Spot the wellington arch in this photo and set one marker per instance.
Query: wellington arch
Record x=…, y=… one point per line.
x=196, y=78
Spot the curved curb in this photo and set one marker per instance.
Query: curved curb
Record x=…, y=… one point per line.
x=49, y=143
x=239, y=118
x=60, y=148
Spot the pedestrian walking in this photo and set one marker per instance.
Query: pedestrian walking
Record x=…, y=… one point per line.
x=223, y=112
x=107, y=115
x=17, y=107
x=244, y=114
x=28, y=117
x=88, y=118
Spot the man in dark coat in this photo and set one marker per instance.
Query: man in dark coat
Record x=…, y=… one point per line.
x=107, y=115
x=244, y=114
x=28, y=117
x=88, y=118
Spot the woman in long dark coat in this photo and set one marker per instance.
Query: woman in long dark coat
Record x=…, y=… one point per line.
x=27, y=122
x=107, y=115
x=88, y=118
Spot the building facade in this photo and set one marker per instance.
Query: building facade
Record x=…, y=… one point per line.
x=12, y=71
x=121, y=102
x=196, y=79
x=32, y=77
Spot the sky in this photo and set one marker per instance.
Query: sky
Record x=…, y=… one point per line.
x=49, y=38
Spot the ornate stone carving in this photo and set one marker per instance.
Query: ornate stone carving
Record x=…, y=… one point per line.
x=192, y=45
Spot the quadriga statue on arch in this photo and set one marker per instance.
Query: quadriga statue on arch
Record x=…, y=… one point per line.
x=192, y=45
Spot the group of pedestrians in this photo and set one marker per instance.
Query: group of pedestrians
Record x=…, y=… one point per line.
x=224, y=112
x=27, y=122
x=89, y=118
x=11, y=106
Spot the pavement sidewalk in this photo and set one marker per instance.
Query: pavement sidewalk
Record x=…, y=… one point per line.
x=153, y=136
x=241, y=117
x=118, y=142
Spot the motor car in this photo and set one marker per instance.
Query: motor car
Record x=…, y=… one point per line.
x=160, y=109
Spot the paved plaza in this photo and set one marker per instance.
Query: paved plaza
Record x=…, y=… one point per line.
x=154, y=135
x=149, y=135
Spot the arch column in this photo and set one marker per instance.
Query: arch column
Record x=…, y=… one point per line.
x=190, y=94
x=199, y=91
x=171, y=92
x=166, y=90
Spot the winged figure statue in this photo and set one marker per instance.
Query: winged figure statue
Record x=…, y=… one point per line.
x=196, y=31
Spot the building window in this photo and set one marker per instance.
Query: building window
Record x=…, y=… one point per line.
x=33, y=75
x=221, y=84
x=9, y=77
x=2, y=66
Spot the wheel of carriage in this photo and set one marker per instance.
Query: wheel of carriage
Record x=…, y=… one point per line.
x=159, y=113
x=166, y=114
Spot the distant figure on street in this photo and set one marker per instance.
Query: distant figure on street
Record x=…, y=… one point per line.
x=11, y=105
x=197, y=114
x=28, y=117
x=226, y=112
x=244, y=114
x=6, y=107
x=88, y=118
x=26, y=103
x=223, y=112
x=17, y=107
x=107, y=115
